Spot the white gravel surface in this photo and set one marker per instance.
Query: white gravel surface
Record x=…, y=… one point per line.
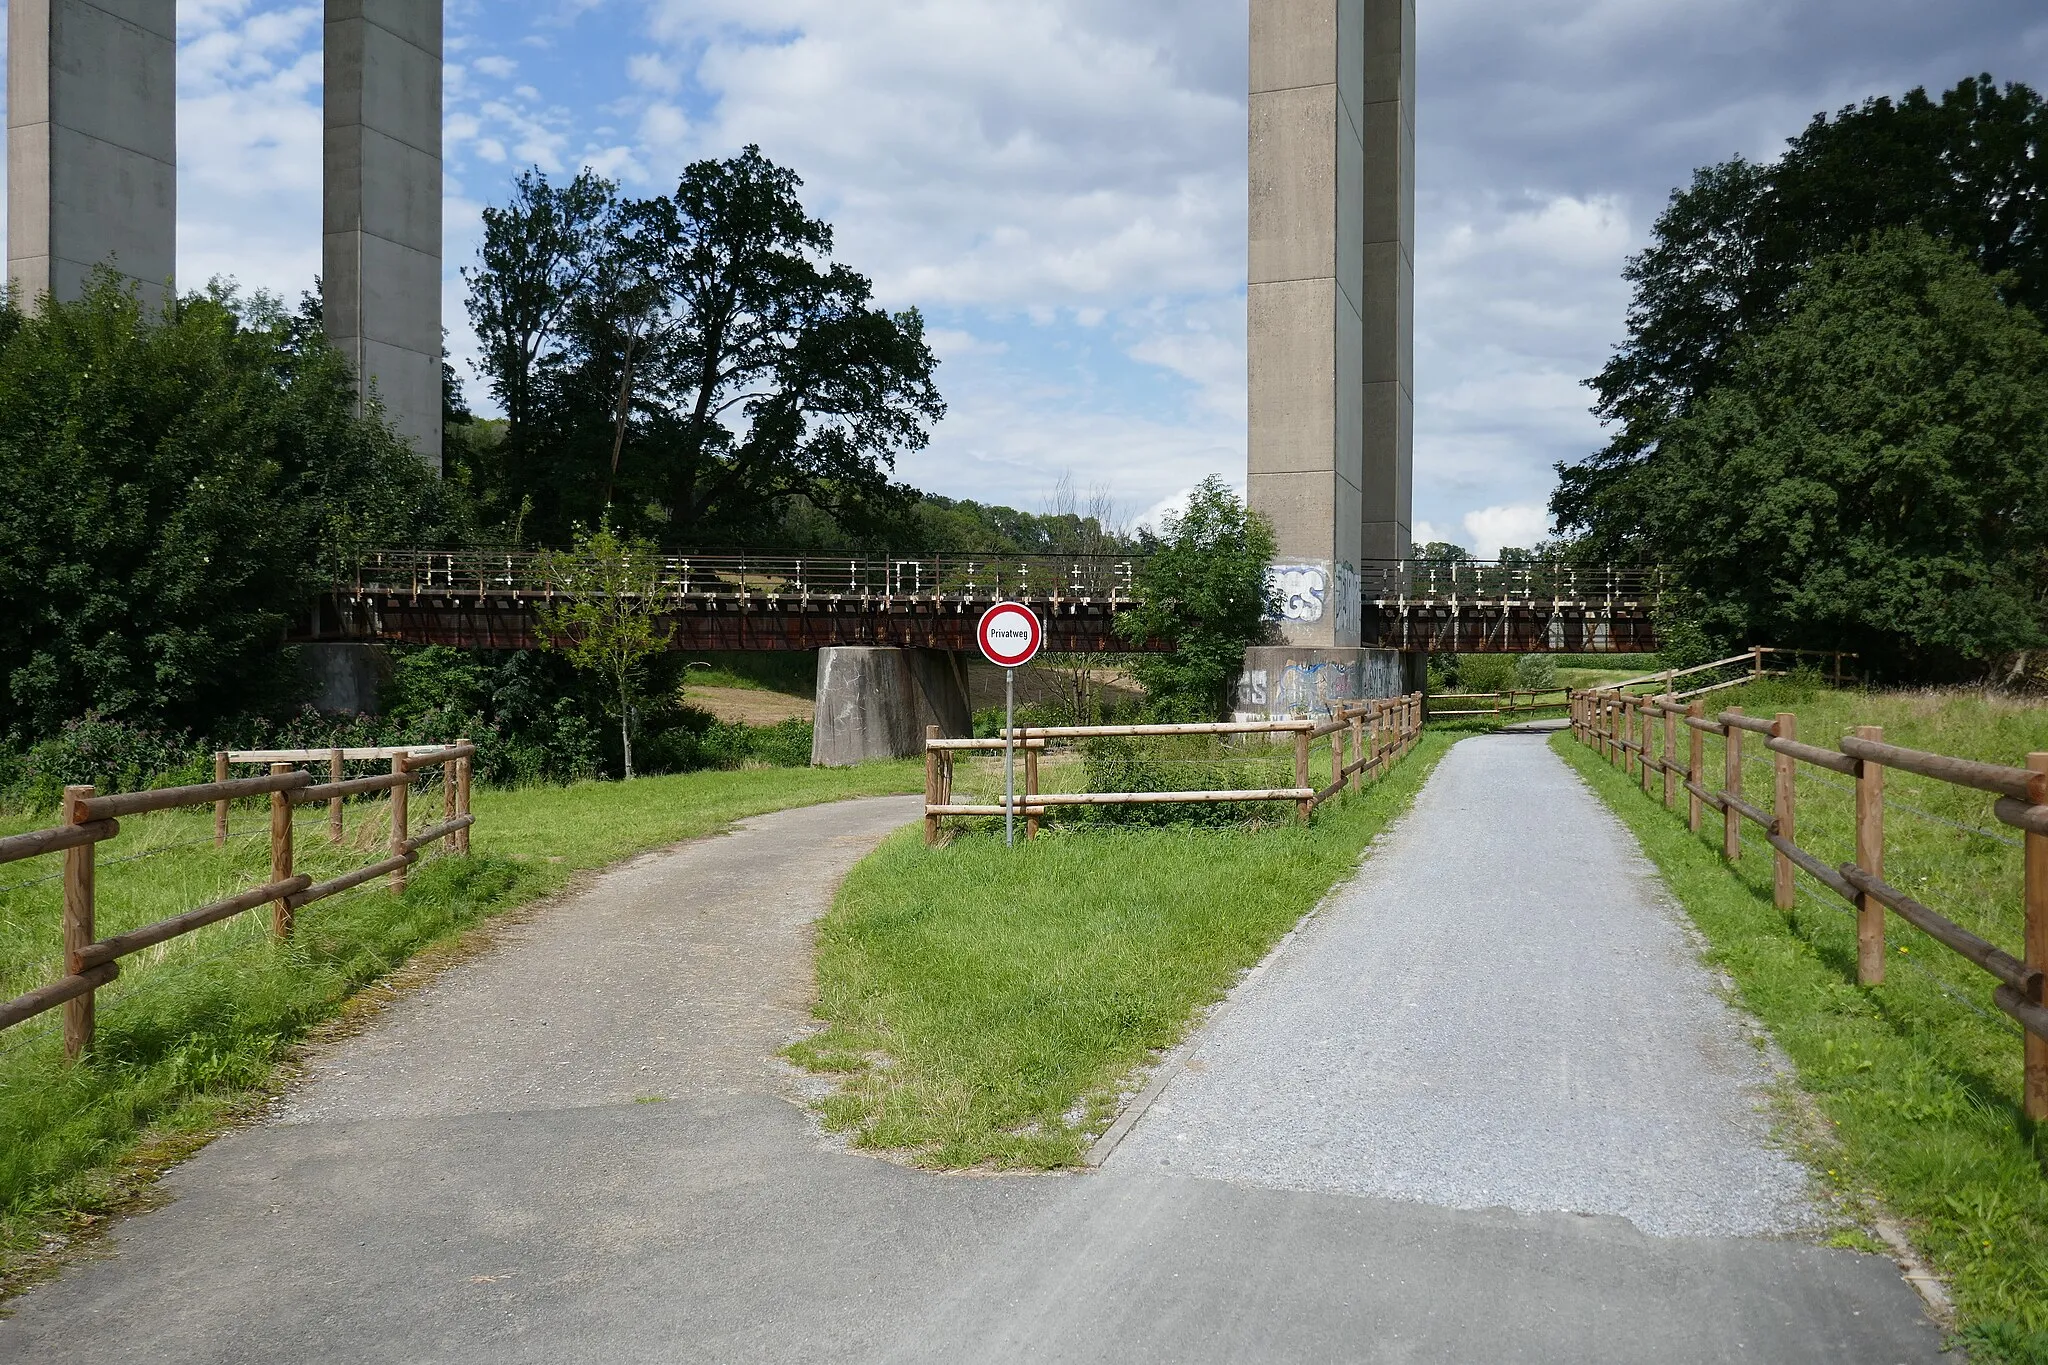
x=1504, y=1009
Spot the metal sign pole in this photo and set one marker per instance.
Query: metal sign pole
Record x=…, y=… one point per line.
x=1010, y=757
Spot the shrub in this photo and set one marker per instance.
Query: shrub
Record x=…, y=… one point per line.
x=1536, y=672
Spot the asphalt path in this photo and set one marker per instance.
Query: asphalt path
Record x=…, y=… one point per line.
x=579, y=1148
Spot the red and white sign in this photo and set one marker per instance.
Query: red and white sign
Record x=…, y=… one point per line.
x=1010, y=635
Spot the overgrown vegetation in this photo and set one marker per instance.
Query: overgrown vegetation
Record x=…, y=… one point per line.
x=174, y=487
x=986, y=1005
x=1204, y=586
x=192, y=1031
x=1919, y=1078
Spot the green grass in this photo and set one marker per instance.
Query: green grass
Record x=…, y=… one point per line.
x=794, y=674
x=195, y=1028
x=1919, y=1078
x=985, y=1005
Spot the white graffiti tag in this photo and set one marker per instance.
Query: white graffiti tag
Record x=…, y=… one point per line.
x=1303, y=588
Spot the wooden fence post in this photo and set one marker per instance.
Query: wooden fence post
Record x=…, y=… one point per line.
x=220, y=808
x=2037, y=955
x=401, y=802
x=1731, y=785
x=462, y=800
x=1302, y=809
x=448, y=799
x=280, y=854
x=1784, y=795
x=1870, y=857
x=1696, y=769
x=1646, y=732
x=1756, y=663
x=1358, y=750
x=931, y=786
x=1030, y=791
x=1337, y=755
x=335, y=772
x=78, y=925
x=1670, y=744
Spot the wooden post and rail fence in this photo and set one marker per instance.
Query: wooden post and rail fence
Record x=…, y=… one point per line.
x=1377, y=734
x=1626, y=729
x=89, y=819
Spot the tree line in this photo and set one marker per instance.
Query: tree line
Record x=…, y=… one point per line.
x=1829, y=417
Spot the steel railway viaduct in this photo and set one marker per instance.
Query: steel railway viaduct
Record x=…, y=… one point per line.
x=893, y=634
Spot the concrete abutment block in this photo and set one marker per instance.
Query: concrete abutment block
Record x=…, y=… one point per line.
x=875, y=702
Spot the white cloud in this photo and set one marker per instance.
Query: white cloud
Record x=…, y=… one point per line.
x=1490, y=528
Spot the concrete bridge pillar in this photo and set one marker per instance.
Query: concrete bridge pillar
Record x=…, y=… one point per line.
x=876, y=702
x=92, y=144
x=1332, y=298
x=381, y=281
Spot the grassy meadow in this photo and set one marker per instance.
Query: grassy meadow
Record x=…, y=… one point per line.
x=1919, y=1078
x=195, y=1028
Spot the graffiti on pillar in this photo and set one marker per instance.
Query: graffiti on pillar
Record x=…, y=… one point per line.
x=1313, y=689
x=1348, y=604
x=1304, y=591
x=1251, y=694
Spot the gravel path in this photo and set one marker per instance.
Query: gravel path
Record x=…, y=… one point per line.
x=1503, y=1010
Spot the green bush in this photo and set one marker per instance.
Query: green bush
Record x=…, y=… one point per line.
x=1486, y=672
x=1535, y=672
x=1185, y=763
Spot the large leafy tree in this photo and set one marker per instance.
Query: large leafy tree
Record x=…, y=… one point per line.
x=1726, y=255
x=692, y=366
x=1204, y=585
x=175, y=485
x=1873, y=473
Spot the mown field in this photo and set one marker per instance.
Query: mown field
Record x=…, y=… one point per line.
x=987, y=1006
x=1918, y=1079
x=195, y=1028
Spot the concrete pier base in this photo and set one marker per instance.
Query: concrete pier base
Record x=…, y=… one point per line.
x=347, y=678
x=1283, y=682
x=875, y=703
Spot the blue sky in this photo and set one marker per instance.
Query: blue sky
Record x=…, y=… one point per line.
x=1059, y=185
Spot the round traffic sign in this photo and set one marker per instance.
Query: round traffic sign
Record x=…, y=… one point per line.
x=1010, y=635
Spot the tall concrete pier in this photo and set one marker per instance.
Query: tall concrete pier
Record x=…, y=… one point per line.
x=1332, y=297
x=92, y=143
x=382, y=258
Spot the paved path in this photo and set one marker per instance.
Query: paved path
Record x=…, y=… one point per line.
x=473, y=1180
x=1504, y=1010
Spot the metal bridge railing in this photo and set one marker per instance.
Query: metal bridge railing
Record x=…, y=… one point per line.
x=766, y=578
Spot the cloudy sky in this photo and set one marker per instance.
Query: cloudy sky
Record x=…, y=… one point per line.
x=1059, y=185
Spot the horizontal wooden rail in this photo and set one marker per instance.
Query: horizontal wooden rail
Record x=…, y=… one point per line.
x=981, y=745
x=1755, y=816
x=171, y=798
x=2017, y=783
x=1814, y=754
x=163, y=931
x=269, y=756
x=2029, y=1016
x=436, y=758
x=2020, y=815
x=1712, y=727
x=355, y=786
x=1224, y=727
x=1812, y=866
x=1714, y=799
x=322, y=890
x=1756, y=725
x=1989, y=956
x=436, y=833
x=43, y=999
x=16, y=847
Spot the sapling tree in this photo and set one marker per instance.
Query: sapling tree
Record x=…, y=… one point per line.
x=606, y=618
